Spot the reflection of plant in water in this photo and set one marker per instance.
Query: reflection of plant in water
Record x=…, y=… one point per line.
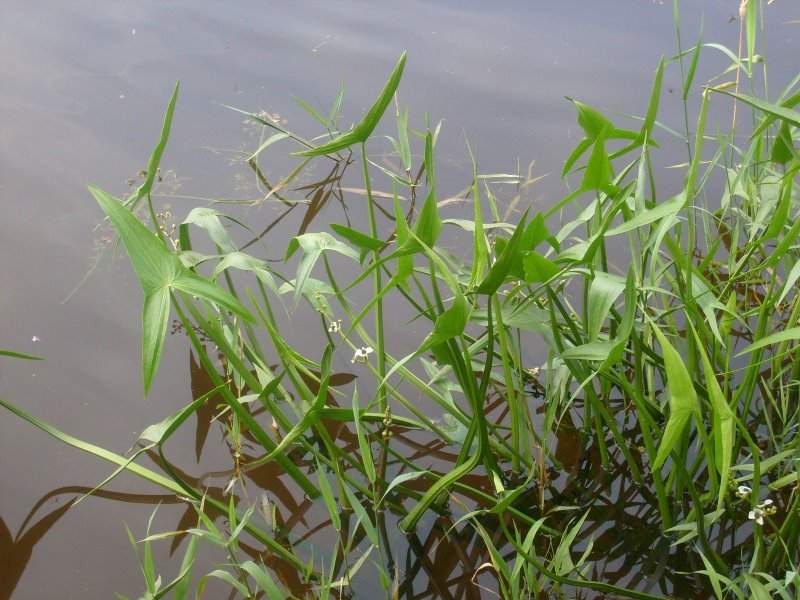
x=661, y=404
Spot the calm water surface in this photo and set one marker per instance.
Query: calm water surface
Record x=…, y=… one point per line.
x=83, y=87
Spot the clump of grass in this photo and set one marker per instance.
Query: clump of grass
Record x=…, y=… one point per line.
x=673, y=363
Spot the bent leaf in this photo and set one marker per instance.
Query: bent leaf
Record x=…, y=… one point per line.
x=786, y=335
x=722, y=423
x=668, y=208
x=313, y=245
x=603, y=292
x=786, y=115
x=682, y=398
x=364, y=129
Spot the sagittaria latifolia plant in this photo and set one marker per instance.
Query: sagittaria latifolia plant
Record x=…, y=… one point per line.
x=674, y=361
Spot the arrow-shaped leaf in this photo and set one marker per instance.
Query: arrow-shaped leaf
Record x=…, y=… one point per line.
x=159, y=271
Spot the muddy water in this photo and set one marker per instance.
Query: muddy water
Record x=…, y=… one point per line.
x=83, y=85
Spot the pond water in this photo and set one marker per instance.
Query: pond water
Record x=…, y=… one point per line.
x=84, y=85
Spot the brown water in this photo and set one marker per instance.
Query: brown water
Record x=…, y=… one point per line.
x=83, y=87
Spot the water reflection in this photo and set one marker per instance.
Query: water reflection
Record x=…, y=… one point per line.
x=441, y=560
x=17, y=549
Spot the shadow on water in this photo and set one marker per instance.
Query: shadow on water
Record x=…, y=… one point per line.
x=17, y=549
x=627, y=546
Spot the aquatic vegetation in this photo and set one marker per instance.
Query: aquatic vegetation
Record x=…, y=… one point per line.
x=623, y=361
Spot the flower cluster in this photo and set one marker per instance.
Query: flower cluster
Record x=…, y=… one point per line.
x=759, y=511
x=766, y=508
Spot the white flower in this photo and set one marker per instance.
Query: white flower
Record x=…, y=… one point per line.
x=743, y=491
x=362, y=354
x=35, y=339
x=756, y=515
x=335, y=326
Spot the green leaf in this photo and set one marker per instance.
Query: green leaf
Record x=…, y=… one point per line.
x=597, y=174
x=535, y=233
x=158, y=271
x=538, y=269
x=750, y=27
x=153, y=264
x=184, y=578
x=275, y=137
x=783, y=246
x=791, y=280
x=596, y=351
x=22, y=355
x=610, y=352
x=708, y=303
x=310, y=110
x=363, y=444
x=364, y=129
x=312, y=415
x=209, y=219
x=404, y=148
x=780, y=112
x=786, y=335
x=357, y=238
x=723, y=426
x=313, y=245
x=652, y=107
x=480, y=246
x=783, y=149
x=401, y=479
x=690, y=72
x=665, y=209
x=449, y=324
x=591, y=120
x=328, y=498
x=199, y=286
x=231, y=581
x=576, y=153
x=363, y=516
x=405, y=262
x=502, y=266
x=682, y=398
x=562, y=561
x=375, y=113
x=263, y=580
x=603, y=292
x=336, y=107
x=155, y=318
x=155, y=158
x=429, y=224
x=245, y=262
